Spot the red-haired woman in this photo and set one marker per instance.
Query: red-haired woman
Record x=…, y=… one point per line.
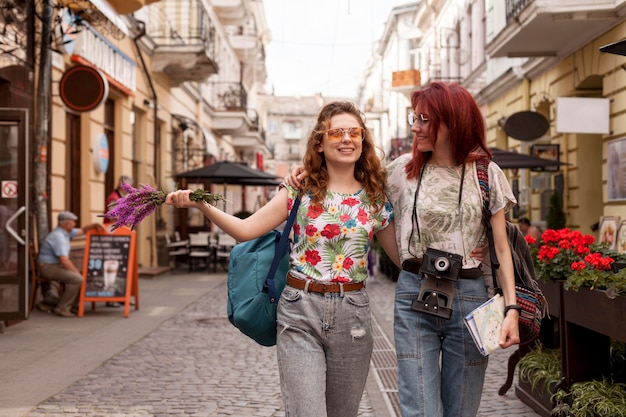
x=324, y=340
x=437, y=203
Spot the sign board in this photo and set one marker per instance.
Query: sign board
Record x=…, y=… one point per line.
x=100, y=153
x=83, y=88
x=582, y=115
x=110, y=272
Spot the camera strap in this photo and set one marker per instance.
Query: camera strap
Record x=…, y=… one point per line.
x=414, y=218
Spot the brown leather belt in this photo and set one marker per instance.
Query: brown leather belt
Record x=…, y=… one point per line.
x=413, y=265
x=322, y=287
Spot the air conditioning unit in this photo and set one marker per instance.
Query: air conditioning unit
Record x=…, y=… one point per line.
x=542, y=181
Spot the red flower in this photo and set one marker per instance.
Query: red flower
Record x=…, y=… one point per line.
x=350, y=201
x=347, y=263
x=315, y=211
x=547, y=252
x=344, y=218
x=530, y=240
x=310, y=230
x=565, y=244
x=330, y=231
x=578, y=266
x=312, y=257
x=362, y=216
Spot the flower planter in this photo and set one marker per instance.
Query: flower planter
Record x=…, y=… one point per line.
x=550, y=327
x=537, y=399
x=551, y=290
x=594, y=310
x=591, y=320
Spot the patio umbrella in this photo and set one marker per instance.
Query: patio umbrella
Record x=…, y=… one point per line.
x=515, y=160
x=226, y=172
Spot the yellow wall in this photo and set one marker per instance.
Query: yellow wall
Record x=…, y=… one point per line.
x=585, y=196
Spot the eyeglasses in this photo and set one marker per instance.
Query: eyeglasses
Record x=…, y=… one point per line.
x=335, y=135
x=421, y=119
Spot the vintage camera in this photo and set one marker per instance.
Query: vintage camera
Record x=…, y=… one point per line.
x=435, y=297
x=441, y=264
x=440, y=270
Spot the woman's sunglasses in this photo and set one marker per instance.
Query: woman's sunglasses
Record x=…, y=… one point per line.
x=336, y=135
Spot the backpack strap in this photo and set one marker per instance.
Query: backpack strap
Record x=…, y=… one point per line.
x=482, y=170
x=282, y=247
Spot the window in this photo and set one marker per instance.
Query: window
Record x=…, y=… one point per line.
x=292, y=130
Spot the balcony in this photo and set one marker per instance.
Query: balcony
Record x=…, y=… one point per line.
x=245, y=42
x=184, y=41
x=551, y=28
x=230, y=114
x=254, y=138
x=230, y=12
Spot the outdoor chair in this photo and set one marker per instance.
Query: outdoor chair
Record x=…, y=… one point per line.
x=199, y=249
x=178, y=249
x=223, y=245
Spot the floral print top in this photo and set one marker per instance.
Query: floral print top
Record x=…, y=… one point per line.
x=332, y=240
x=444, y=224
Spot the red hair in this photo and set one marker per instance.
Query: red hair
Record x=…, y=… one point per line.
x=452, y=105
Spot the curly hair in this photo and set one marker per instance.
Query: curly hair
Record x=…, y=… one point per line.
x=452, y=105
x=369, y=170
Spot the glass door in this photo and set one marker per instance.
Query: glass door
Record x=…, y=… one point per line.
x=13, y=214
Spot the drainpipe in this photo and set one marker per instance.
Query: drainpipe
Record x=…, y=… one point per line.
x=156, y=173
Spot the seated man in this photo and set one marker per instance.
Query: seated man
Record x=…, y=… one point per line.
x=529, y=230
x=55, y=264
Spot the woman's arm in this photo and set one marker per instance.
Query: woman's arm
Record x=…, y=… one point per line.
x=387, y=239
x=509, y=334
x=260, y=222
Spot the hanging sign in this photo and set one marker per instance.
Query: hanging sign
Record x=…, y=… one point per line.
x=83, y=88
x=100, y=153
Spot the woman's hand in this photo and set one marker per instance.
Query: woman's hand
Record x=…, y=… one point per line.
x=478, y=253
x=296, y=176
x=180, y=199
x=509, y=334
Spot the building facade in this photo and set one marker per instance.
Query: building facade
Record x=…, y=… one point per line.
x=544, y=86
x=145, y=88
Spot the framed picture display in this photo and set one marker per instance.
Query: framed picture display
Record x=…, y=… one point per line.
x=616, y=169
x=621, y=237
x=546, y=151
x=608, y=231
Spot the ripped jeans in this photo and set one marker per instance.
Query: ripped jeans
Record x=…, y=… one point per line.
x=324, y=345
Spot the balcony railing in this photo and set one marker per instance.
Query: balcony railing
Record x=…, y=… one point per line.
x=514, y=8
x=184, y=38
x=229, y=96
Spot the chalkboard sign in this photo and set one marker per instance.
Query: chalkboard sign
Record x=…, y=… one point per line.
x=109, y=268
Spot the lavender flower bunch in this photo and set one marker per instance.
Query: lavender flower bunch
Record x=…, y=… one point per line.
x=139, y=203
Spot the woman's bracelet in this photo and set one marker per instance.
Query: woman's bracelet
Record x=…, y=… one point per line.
x=512, y=307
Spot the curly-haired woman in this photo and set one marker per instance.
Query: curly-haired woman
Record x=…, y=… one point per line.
x=324, y=340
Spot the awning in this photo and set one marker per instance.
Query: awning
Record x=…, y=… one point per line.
x=211, y=143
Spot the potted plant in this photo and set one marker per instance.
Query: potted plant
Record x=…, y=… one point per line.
x=539, y=373
x=602, y=398
x=586, y=300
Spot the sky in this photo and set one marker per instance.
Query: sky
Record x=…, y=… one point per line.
x=322, y=46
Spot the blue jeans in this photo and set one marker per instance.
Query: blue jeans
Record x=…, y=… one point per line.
x=440, y=370
x=324, y=345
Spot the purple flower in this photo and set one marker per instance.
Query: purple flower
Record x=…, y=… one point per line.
x=141, y=202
